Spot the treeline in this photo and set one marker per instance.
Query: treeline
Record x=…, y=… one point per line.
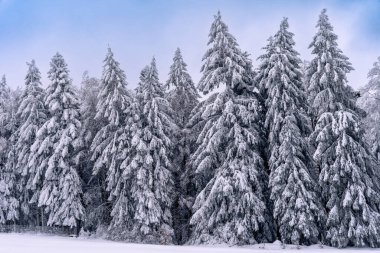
x=278, y=153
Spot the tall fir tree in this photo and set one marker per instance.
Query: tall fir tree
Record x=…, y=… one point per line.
x=348, y=176
x=9, y=203
x=4, y=115
x=93, y=197
x=294, y=191
x=183, y=97
x=5, y=98
x=143, y=208
x=30, y=116
x=182, y=93
x=266, y=64
x=370, y=102
x=220, y=62
x=55, y=148
x=228, y=168
x=109, y=146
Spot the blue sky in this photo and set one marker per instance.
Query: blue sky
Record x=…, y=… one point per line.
x=136, y=30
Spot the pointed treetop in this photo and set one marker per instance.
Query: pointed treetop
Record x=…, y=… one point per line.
x=219, y=27
x=283, y=39
x=58, y=69
x=112, y=73
x=375, y=71
x=178, y=52
x=323, y=15
x=325, y=33
x=109, y=56
x=372, y=88
x=33, y=75
x=223, y=63
x=327, y=71
x=111, y=63
x=109, y=51
x=4, y=86
x=153, y=64
x=284, y=24
x=57, y=56
x=153, y=72
x=113, y=95
x=149, y=81
x=178, y=75
x=178, y=57
x=32, y=63
x=3, y=80
x=57, y=61
x=323, y=21
x=181, y=91
x=218, y=16
x=4, y=89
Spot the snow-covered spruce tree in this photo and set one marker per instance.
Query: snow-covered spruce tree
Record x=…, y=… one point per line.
x=370, y=102
x=221, y=60
x=328, y=67
x=54, y=149
x=147, y=172
x=30, y=115
x=228, y=169
x=294, y=191
x=182, y=93
x=348, y=176
x=143, y=207
x=183, y=97
x=109, y=146
x=8, y=186
x=93, y=199
x=266, y=64
x=90, y=126
x=89, y=99
x=4, y=113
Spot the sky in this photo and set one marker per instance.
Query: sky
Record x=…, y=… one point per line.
x=137, y=30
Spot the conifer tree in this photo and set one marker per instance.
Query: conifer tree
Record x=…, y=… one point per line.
x=297, y=208
x=145, y=201
x=89, y=96
x=90, y=126
x=110, y=142
x=220, y=60
x=94, y=198
x=266, y=64
x=228, y=168
x=348, y=176
x=123, y=209
x=30, y=116
x=4, y=110
x=54, y=150
x=183, y=97
x=8, y=185
x=370, y=102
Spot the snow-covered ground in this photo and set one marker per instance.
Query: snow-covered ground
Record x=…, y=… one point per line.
x=28, y=243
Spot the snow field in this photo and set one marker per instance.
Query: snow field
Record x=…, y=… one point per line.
x=37, y=243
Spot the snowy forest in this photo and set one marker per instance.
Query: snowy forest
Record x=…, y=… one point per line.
x=283, y=151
